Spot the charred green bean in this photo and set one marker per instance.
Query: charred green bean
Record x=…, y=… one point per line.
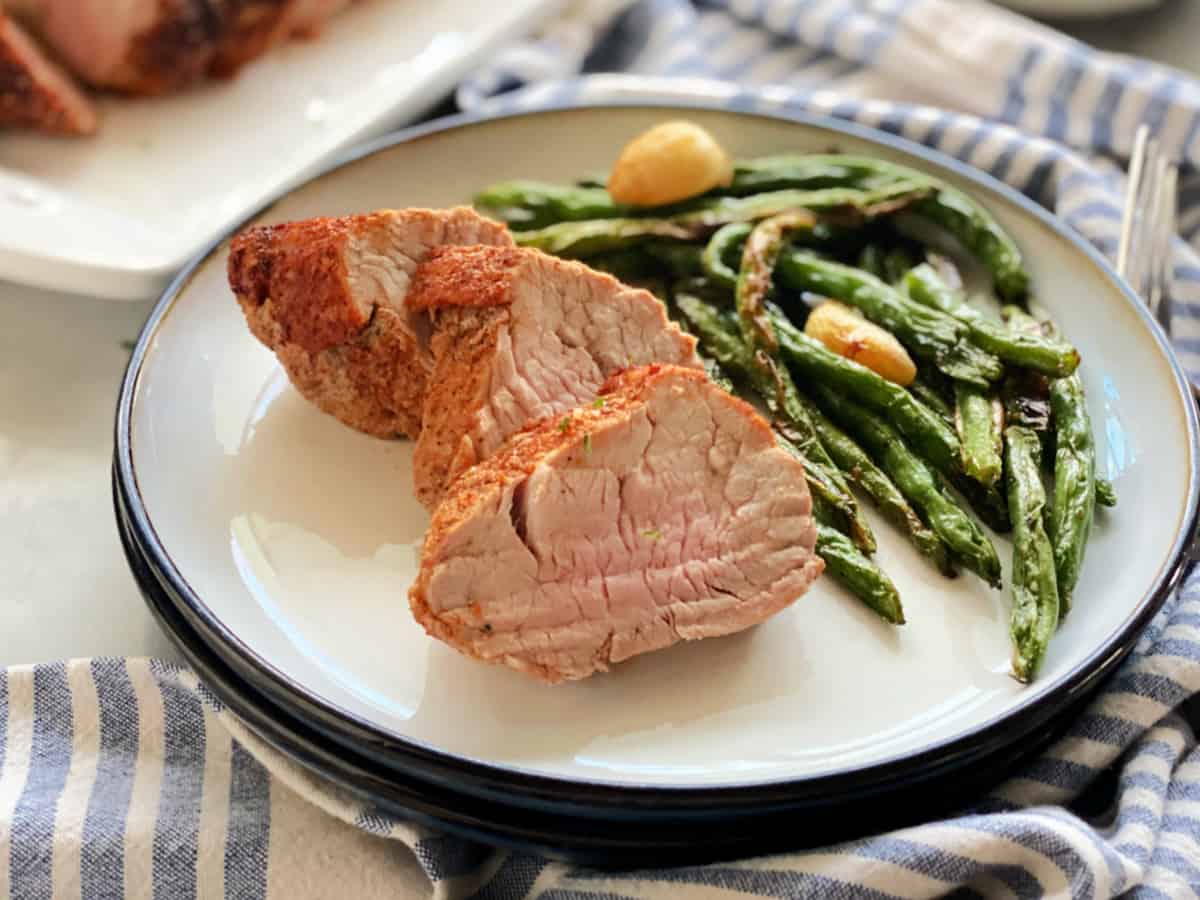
x=932, y=336
x=1013, y=346
x=929, y=435
x=979, y=417
x=916, y=480
x=1035, y=609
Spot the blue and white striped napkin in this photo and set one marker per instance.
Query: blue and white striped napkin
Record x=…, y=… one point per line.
x=127, y=778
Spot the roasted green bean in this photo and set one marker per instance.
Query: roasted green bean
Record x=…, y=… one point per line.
x=725, y=244
x=1026, y=393
x=529, y=204
x=1026, y=397
x=896, y=264
x=1013, y=346
x=860, y=576
x=1076, y=491
x=988, y=501
x=1035, y=609
x=808, y=171
x=916, y=480
x=929, y=435
x=676, y=260
x=723, y=252
x=1074, y=483
x=979, y=417
x=634, y=266
x=863, y=204
x=967, y=221
x=581, y=239
x=874, y=482
x=718, y=335
x=981, y=234
x=932, y=336
x=536, y=204
x=870, y=260
x=927, y=388
x=759, y=256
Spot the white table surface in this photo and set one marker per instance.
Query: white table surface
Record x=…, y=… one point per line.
x=65, y=590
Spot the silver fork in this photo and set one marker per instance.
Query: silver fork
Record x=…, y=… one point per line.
x=1148, y=225
x=1144, y=253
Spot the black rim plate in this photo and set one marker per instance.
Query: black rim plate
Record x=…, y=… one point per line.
x=992, y=741
x=621, y=841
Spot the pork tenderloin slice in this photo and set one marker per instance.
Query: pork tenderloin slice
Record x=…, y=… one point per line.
x=135, y=46
x=517, y=336
x=253, y=27
x=159, y=46
x=327, y=296
x=250, y=29
x=35, y=92
x=308, y=17
x=667, y=513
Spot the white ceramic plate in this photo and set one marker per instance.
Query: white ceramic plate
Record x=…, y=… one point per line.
x=119, y=214
x=297, y=537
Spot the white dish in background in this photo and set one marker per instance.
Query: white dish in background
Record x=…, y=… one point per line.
x=117, y=215
x=307, y=535
x=1079, y=9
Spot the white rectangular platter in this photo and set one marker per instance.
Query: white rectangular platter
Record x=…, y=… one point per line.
x=115, y=216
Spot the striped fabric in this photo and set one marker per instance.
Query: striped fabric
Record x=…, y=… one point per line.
x=126, y=778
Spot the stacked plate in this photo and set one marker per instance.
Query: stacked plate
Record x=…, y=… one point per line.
x=277, y=546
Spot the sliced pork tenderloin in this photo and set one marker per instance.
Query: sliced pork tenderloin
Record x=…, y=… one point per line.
x=666, y=512
x=159, y=46
x=35, y=92
x=327, y=296
x=518, y=335
x=250, y=28
x=395, y=324
x=253, y=27
x=135, y=46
